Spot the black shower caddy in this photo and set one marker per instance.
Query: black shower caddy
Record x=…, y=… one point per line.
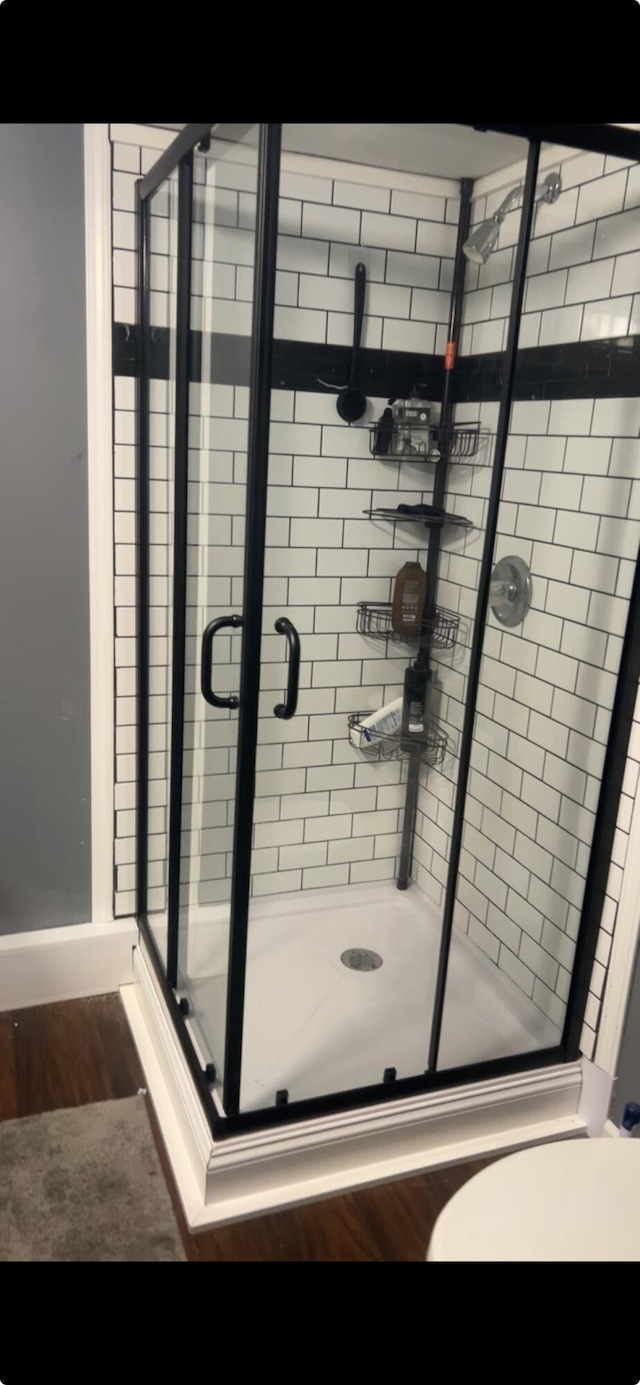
x=455, y=441
x=375, y=618
x=430, y=746
x=438, y=445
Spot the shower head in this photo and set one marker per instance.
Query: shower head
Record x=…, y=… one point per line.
x=484, y=239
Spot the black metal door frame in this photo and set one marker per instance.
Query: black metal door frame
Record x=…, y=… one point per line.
x=256, y=518
x=178, y=156
x=605, y=139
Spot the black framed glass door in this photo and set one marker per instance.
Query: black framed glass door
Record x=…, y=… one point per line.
x=219, y=653
x=207, y=272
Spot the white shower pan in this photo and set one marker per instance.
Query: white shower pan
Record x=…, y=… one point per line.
x=312, y=1026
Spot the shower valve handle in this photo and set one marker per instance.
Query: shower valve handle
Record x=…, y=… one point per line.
x=223, y=622
x=287, y=709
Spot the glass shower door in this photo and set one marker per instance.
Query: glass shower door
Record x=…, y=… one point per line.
x=220, y=322
x=157, y=416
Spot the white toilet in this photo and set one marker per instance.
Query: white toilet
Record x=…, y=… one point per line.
x=572, y=1200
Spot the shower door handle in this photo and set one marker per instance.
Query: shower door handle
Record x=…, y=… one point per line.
x=223, y=622
x=287, y=709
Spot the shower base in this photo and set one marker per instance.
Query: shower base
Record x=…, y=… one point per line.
x=314, y=1026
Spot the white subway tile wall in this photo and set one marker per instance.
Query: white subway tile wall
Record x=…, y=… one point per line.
x=322, y=817
x=545, y=697
x=583, y=268
x=322, y=556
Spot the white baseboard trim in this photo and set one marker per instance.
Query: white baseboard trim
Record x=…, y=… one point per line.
x=595, y=1097
x=226, y=1180
x=65, y=963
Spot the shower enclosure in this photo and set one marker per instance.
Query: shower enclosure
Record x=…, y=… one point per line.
x=335, y=918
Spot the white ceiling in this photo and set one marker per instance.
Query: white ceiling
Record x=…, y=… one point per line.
x=445, y=151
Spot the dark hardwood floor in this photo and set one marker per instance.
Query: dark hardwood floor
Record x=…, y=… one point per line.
x=81, y=1051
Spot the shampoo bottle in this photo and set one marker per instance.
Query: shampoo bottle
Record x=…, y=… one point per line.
x=409, y=591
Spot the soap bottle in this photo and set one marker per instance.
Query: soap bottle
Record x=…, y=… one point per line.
x=409, y=591
x=416, y=703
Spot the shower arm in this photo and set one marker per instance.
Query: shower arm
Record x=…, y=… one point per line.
x=547, y=191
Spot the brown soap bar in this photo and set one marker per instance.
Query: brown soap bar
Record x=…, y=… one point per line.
x=409, y=592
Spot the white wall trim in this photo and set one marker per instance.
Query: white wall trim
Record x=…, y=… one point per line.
x=221, y=1181
x=309, y=164
x=97, y=203
x=66, y=963
x=623, y=954
x=595, y=1097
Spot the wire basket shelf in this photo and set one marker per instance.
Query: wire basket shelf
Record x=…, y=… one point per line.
x=429, y=518
x=458, y=442
x=431, y=745
x=376, y=619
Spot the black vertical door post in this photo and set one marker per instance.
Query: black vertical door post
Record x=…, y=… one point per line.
x=257, y=484
x=181, y=472
x=482, y=605
x=435, y=534
x=142, y=537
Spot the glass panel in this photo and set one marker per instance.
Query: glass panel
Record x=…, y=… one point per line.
x=329, y=806
x=569, y=514
x=223, y=235
x=161, y=356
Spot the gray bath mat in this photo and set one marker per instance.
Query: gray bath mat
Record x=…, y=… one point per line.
x=85, y=1184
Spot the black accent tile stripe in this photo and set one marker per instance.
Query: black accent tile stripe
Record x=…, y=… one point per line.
x=297, y=365
x=573, y=370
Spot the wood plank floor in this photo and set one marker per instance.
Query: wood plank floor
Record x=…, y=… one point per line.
x=81, y=1051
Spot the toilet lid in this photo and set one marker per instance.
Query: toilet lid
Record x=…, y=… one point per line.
x=573, y=1200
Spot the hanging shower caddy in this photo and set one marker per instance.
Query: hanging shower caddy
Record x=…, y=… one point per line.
x=408, y=430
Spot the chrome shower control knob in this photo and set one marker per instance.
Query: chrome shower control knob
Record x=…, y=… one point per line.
x=511, y=590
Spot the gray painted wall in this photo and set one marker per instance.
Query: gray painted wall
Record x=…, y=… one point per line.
x=45, y=825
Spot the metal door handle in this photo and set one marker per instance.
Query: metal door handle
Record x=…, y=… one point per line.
x=287, y=709
x=212, y=698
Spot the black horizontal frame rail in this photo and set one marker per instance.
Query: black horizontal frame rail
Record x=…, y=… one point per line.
x=169, y=160
x=315, y=1107
x=596, y=139
x=477, y=644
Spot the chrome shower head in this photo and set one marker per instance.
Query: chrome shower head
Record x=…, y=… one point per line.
x=484, y=239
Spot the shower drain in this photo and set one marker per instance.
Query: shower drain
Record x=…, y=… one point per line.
x=361, y=959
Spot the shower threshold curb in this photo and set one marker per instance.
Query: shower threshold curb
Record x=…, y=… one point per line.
x=244, y=1176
